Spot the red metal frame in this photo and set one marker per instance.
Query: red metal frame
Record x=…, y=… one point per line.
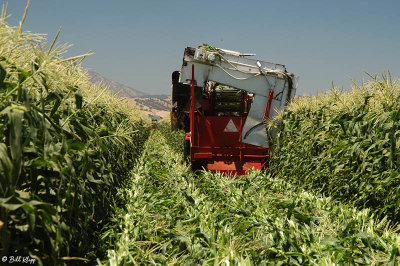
x=192, y=107
x=268, y=106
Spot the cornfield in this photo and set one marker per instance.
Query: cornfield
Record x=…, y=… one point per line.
x=346, y=145
x=168, y=215
x=65, y=147
x=83, y=180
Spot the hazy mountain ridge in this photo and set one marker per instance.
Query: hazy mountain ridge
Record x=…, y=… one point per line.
x=116, y=87
x=154, y=105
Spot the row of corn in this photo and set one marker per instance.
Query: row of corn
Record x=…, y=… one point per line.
x=346, y=145
x=66, y=145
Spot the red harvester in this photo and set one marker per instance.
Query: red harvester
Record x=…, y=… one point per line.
x=222, y=99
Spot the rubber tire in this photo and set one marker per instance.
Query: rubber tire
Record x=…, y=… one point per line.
x=186, y=152
x=197, y=166
x=265, y=167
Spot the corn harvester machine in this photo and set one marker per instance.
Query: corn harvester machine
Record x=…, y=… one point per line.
x=223, y=100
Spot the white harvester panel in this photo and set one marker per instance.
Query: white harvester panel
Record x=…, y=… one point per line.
x=234, y=69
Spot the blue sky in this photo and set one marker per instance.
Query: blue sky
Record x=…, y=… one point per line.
x=140, y=43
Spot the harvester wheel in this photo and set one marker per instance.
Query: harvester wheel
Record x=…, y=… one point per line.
x=186, y=152
x=265, y=165
x=198, y=165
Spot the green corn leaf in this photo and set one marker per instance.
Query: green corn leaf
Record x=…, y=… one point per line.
x=3, y=74
x=78, y=99
x=22, y=76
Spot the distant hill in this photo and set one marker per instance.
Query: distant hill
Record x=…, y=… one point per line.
x=156, y=106
x=116, y=87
